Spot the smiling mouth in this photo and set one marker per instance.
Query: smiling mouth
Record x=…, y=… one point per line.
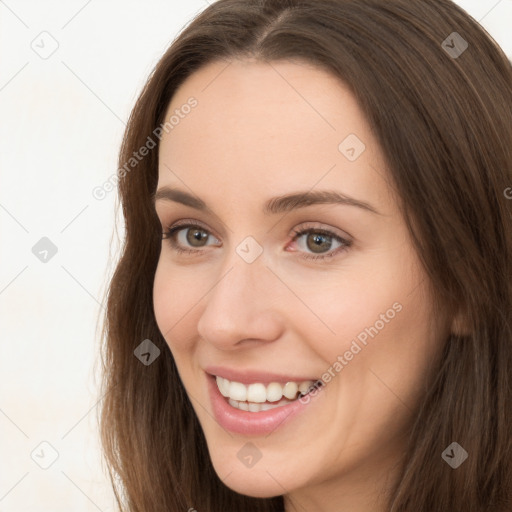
x=258, y=397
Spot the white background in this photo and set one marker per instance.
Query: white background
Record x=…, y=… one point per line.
x=61, y=123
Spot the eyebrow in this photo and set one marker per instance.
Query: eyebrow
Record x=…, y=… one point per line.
x=280, y=204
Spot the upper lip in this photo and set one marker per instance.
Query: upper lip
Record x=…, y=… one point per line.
x=250, y=376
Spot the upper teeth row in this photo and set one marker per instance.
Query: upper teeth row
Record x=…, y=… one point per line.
x=260, y=393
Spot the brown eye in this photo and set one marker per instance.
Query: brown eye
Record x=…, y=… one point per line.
x=318, y=242
x=189, y=237
x=196, y=237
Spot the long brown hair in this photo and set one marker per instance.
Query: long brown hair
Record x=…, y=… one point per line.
x=444, y=123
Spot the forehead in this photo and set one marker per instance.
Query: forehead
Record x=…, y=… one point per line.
x=262, y=127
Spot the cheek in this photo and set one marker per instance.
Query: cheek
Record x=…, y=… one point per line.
x=175, y=296
x=338, y=309
x=386, y=345
x=376, y=315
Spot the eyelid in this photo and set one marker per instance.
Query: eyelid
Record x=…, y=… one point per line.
x=345, y=242
x=183, y=223
x=343, y=238
x=319, y=226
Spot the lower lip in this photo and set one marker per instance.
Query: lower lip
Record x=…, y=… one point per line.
x=251, y=423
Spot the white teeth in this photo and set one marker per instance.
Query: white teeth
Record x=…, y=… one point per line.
x=223, y=385
x=253, y=407
x=244, y=406
x=304, y=387
x=274, y=392
x=290, y=390
x=237, y=391
x=258, y=393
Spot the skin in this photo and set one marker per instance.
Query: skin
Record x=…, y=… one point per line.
x=263, y=130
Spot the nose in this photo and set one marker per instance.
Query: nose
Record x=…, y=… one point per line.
x=241, y=308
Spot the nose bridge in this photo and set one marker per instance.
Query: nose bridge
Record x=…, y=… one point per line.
x=238, y=306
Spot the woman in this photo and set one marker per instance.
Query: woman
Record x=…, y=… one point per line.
x=312, y=311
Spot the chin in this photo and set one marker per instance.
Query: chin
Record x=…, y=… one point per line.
x=256, y=485
x=262, y=480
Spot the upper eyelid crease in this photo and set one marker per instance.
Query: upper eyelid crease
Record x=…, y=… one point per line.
x=307, y=228
x=345, y=243
x=275, y=205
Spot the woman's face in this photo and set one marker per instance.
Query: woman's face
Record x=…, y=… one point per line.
x=296, y=265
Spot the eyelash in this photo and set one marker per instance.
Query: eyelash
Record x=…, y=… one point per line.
x=345, y=244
